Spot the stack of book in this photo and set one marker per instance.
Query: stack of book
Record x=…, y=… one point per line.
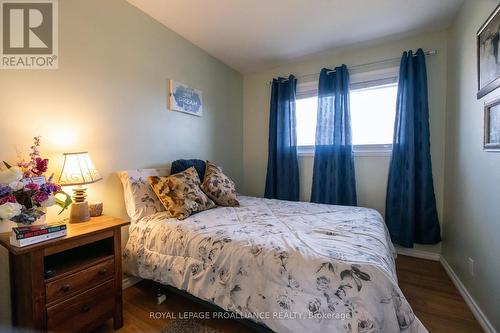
x=29, y=235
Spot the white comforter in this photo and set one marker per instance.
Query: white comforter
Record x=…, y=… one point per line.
x=294, y=266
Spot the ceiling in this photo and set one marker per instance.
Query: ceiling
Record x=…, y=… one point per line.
x=251, y=35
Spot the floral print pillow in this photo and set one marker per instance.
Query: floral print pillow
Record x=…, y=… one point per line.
x=180, y=193
x=140, y=200
x=219, y=187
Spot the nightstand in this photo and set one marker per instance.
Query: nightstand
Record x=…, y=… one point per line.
x=68, y=284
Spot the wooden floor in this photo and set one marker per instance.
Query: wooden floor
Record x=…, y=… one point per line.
x=433, y=297
x=431, y=294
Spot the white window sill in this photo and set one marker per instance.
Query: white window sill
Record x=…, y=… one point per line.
x=360, y=150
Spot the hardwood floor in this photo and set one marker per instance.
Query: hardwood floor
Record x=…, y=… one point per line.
x=432, y=295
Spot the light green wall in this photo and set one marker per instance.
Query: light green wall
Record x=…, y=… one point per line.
x=109, y=97
x=371, y=171
x=472, y=183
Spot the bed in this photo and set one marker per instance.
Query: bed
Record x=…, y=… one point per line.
x=291, y=266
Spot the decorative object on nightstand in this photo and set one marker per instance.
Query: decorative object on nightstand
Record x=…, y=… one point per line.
x=78, y=170
x=26, y=191
x=95, y=208
x=68, y=284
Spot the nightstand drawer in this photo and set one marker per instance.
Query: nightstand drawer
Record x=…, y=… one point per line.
x=82, y=311
x=79, y=281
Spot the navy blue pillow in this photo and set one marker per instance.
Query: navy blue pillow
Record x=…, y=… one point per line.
x=181, y=165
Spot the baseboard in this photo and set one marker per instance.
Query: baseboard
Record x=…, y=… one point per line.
x=418, y=253
x=129, y=280
x=476, y=311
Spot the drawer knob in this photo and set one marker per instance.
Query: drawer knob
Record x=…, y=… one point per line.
x=86, y=308
x=103, y=271
x=65, y=287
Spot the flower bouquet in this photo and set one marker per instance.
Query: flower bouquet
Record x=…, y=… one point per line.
x=25, y=192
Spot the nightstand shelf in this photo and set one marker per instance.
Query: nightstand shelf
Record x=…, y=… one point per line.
x=68, y=284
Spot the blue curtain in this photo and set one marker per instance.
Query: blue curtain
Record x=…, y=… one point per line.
x=411, y=214
x=282, y=180
x=333, y=174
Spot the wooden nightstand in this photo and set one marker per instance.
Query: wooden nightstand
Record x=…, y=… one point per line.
x=68, y=284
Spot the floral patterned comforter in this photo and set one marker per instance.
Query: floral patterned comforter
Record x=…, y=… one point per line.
x=293, y=266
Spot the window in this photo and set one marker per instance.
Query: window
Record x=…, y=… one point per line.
x=372, y=114
x=306, y=111
x=373, y=108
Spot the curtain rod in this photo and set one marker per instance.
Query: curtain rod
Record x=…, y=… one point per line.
x=427, y=53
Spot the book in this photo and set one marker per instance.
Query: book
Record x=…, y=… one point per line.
x=36, y=239
x=33, y=231
x=36, y=230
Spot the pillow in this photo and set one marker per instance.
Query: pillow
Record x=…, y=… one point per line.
x=180, y=193
x=219, y=187
x=140, y=200
x=181, y=165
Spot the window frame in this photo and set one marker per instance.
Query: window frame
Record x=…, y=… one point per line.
x=358, y=150
x=358, y=80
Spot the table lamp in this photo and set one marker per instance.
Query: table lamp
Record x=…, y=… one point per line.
x=78, y=170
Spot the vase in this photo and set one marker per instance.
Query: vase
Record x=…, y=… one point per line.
x=6, y=226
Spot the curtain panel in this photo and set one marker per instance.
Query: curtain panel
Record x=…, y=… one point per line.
x=282, y=179
x=411, y=213
x=333, y=173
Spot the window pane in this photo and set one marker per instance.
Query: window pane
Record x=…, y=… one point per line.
x=306, y=110
x=372, y=115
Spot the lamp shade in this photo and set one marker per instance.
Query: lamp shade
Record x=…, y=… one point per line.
x=78, y=169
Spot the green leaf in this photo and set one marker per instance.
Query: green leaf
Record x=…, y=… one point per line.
x=7, y=165
x=64, y=204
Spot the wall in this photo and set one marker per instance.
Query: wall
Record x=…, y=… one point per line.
x=109, y=97
x=472, y=196
x=371, y=171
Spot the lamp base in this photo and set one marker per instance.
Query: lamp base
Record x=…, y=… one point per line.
x=79, y=212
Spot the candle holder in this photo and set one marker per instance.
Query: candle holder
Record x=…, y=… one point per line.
x=95, y=208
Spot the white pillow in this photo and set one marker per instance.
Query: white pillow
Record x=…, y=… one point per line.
x=140, y=200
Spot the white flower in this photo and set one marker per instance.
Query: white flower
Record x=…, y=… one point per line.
x=11, y=175
x=51, y=200
x=16, y=186
x=10, y=210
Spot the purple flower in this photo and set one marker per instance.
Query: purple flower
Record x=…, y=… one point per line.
x=50, y=188
x=40, y=197
x=5, y=190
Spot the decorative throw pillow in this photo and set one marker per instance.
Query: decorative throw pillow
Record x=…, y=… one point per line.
x=180, y=193
x=181, y=165
x=140, y=200
x=219, y=187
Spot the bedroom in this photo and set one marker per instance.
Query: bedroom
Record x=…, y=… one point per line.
x=107, y=87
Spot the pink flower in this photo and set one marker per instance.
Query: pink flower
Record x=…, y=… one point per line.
x=9, y=198
x=31, y=187
x=23, y=164
x=41, y=165
x=40, y=197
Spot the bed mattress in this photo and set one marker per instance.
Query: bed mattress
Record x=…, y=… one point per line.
x=293, y=266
